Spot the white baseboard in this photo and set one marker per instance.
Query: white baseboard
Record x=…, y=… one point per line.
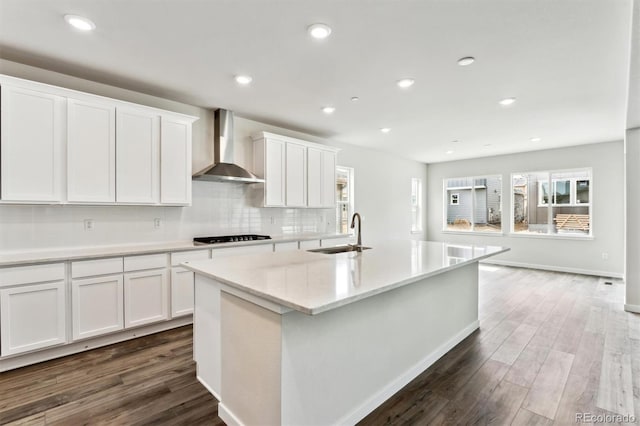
x=227, y=416
x=555, y=268
x=21, y=360
x=393, y=387
x=632, y=308
x=206, y=385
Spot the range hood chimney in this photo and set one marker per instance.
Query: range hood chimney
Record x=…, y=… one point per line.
x=223, y=168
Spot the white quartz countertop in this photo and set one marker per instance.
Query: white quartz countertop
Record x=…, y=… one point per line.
x=315, y=282
x=16, y=258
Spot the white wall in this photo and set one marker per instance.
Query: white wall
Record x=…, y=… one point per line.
x=575, y=255
x=382, y=191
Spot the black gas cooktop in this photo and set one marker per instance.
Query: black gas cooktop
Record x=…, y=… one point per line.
x=230, y=238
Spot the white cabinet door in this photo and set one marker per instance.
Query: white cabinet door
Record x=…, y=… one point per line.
x=97, y=306
x=314, y=177
x=288, y=246
x=146, y=297
x=182, y=281
x=137, y=156
x=32, y=317
x=328, y=179
x=274, y=173
x=175, y=161
x=296, y=175
x=33, y=132
x=91, y=152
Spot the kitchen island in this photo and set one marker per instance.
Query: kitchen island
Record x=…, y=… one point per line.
x=317, y=339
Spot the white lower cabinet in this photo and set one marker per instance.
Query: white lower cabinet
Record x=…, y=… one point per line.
x=146, y=297
x=32, y=317
x=181, y=291
x=97, y=306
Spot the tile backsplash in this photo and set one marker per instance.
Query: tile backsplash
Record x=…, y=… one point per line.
x=218, y=209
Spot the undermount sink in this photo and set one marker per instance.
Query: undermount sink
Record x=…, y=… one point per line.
x=338, y=249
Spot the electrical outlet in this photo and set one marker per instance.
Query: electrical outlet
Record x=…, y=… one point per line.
x=605, y=255
x=157, y=223
x=88, y=225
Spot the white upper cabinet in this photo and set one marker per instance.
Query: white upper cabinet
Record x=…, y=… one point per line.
x=314, y=177
x=63, y=146
x=31, y=155
x=91, y=152
x=137, y=156
x=269, y=163
x=175, y=161
x=296, y=173
x=328, y=179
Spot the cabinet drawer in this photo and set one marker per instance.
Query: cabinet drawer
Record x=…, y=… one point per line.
x=148, y=261
x=88, y=268
x=292, y=245
x=311, y=244
x=31, y=274
x=185, y=256
x=238, y=251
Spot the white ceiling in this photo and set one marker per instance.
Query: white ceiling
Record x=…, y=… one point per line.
x=566, y=62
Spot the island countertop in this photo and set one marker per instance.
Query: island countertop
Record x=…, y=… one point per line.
x=313, y=283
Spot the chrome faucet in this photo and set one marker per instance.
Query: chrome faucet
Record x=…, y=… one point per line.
x=353, y=225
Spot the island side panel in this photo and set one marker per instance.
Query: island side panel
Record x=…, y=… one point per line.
x=251, y=358
x=206, y=334
x=339, y=365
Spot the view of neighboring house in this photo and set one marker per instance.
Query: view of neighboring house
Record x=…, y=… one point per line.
x=474, y=203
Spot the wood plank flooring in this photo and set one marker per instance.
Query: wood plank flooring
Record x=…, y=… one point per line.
x=550, y=345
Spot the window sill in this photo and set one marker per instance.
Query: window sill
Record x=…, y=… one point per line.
x=495, y=234
x=551, y=236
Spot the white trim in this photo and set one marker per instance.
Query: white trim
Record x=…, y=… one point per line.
x=394, y=386
x=482, y=233
x=207, y=387
x=85, y=96
x=561, y=236
x=21, y=360
x=267, y=135
x=227, y=416
x=632, y=308
x=555, y=268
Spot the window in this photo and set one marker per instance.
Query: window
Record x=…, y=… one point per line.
x=566, y=209
x=473, y=204
x=416, y=205
x=344, y=198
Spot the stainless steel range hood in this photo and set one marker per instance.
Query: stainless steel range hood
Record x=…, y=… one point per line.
x=223, y=168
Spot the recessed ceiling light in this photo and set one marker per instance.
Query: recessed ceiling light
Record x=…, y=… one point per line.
x=79, y=22
x=536, y=139
x=243, y=79
x=328, y=110
x=319, y=31
x=487, y=144
x=455, y=141
x=449, y=152
x=405, y=82
x=385, y=130
x=467, y=60
x=355, y=99
x=507, y=101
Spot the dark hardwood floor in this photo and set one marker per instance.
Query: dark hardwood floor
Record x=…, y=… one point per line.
x=551, y=345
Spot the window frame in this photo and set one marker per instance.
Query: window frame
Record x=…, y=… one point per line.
x=350, y=203
x=446, y=204
x=416, y=208
x=573, y=191
x=573, y=197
